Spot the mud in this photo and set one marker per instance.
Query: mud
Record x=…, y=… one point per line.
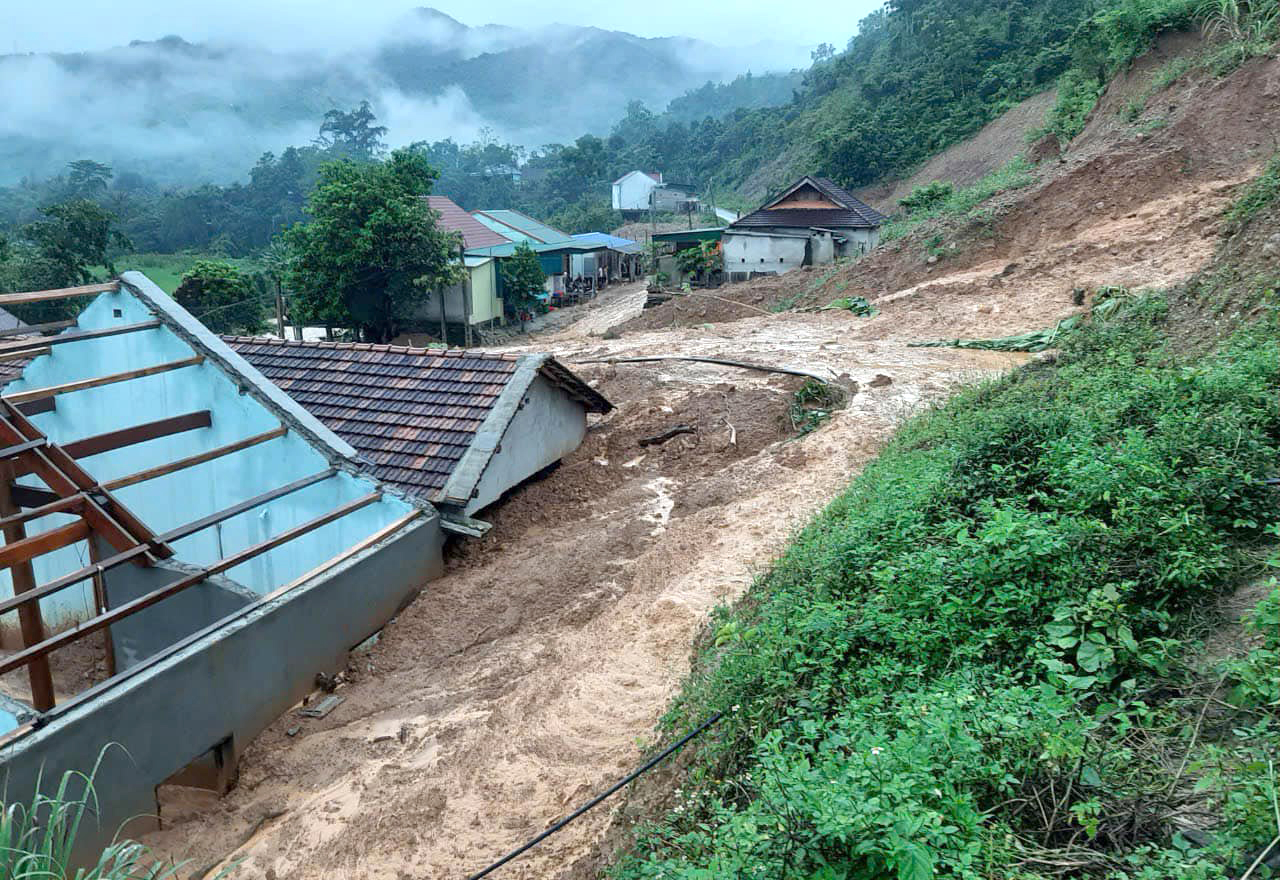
x=531, y=676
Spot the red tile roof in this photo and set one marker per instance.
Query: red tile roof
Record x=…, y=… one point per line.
x=474, y=233
x=412, y=412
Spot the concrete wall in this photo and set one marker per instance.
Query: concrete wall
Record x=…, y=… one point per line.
x=481, y=284
x=761, y=253
x=632, y=192
x=147, y=633
x=548, y=427
x=228, y=682
x=858, y=242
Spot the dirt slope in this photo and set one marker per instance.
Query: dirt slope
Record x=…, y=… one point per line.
x=1135, y=202
x=523, y=681
x=529, y=677
x=990, y=149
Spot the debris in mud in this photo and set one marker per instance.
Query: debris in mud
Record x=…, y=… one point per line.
x=663, y=437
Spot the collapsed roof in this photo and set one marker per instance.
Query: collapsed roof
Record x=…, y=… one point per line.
x=136, y=436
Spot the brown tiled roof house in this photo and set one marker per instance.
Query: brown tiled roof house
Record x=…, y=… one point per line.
x=456, y=427
x=813, y=223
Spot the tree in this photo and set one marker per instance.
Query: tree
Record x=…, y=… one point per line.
x=61, y=250
x=522, y=281
x=221, y=298
x=824, y=52
x=353, y=134
x=372, y=247
x=73, y=238
x=87, y=179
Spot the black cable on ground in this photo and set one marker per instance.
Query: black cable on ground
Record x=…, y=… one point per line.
x=598, y=799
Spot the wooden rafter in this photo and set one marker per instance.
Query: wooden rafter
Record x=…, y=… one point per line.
x=32, y=329
x=23, y=345
x=26, y=549
x=111, y=440
x=193, y=460
x=177, y=534
x=17, y=299
x=44, y=648
x=99, y=381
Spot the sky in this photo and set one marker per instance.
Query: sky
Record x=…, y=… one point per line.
x=70, y=25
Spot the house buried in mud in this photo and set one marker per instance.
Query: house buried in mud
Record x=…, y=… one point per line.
x=179, y=524
x=458, y=428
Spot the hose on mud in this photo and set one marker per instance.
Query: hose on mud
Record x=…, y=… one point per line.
x=600, y=798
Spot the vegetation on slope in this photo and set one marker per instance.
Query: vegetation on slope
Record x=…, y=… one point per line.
x=980, y=660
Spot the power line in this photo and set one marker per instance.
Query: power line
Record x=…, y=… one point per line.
x=598, y=799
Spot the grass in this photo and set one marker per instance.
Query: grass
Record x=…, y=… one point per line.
x=1261, y=192
x=166, y=270
x=38, y=838
x=981, y=660
x=939, y=200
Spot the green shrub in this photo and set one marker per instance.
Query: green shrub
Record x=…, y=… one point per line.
x=1077, y=95
x=1262, y=191
x=928, y=197
x=965, y=630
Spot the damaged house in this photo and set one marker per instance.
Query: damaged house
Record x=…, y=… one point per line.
x=812, y=223
x=456, y=428
x=178, y=525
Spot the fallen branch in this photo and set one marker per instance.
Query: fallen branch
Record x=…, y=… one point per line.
x=676, y=294
x=666, y=435
x=707, y=360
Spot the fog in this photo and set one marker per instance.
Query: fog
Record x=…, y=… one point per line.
x=79, y=25
x=177, y=110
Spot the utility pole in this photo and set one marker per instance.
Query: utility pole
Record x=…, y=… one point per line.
x=279, y=312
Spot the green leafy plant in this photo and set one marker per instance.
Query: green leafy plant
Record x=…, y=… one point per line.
x=522, y=282
x=813, y=405
x=1262, y=191
x=949, y=672
x=223, y=299
x=929, y=197
x=856, y=304
x=38, y=837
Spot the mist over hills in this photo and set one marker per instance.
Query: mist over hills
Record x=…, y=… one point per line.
x=177, y=111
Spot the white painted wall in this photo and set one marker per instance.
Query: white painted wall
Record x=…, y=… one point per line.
x=631, y=193
x=548, y=427
x=762, y=253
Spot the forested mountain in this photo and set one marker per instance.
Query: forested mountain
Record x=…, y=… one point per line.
x=919, y=76
x=180, y=112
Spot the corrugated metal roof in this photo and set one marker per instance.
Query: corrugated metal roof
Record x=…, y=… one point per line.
x=612, y=242
x=412, y=412
x=507, y=250
x=453, y=218
x=709, y=233
x=525, y=224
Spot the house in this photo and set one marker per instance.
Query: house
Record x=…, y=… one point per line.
x=619, y=256
x=812, y=223
x=517, y=227
x=165, y=506
x=456, y=428
x=476, y=300
x=675, y=198
x=553, y=247
x=631, y=191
